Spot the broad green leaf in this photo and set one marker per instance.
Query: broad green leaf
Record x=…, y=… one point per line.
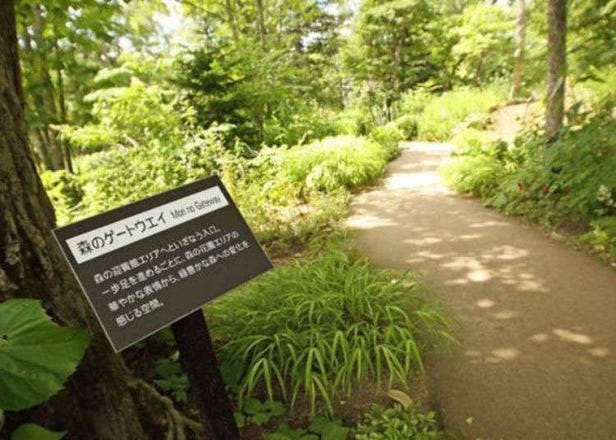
x=240, y=419
x=261, y=418
x=36, y=355
x=334, y=431
x=275, y=408
x=31, y=431
x=277, y=436
x=253, y=406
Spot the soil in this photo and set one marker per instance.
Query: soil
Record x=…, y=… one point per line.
x=536, y=320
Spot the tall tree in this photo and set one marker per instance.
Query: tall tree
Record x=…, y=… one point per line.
x=520, y=41
x=557, y=67
x=102, y=400
x=393, y=48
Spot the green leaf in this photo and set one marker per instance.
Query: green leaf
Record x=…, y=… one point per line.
x=275, y=408
x=261, y=418
x=31, y=431
x=334, y=431
x=240, y=419
x=253, y=406
x=277, y=436
x=36, y=355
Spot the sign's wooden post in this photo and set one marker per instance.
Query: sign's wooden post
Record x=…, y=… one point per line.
x=199, y=361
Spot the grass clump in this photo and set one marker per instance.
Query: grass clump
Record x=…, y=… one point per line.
x=317, y=330
x=479, y=164
x=335, y=162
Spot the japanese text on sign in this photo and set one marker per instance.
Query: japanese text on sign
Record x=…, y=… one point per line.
x=116, y=235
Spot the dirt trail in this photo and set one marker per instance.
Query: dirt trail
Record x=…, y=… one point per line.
x=507, y=121
x=537, y=320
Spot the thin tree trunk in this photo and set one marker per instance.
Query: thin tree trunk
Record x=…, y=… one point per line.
x=231, y=17
x=557, y=67
x=46, y=110
x=520, y=41
x=102, y=400
x=66, y=152
x=261, y=22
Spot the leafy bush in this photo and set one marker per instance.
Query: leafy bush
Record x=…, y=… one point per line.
x=64, y=191
x=124, y=175
x=305, y=126
x=320, y=428
x=171, y=379
x=479, y=164
x=602, y=236
x=88, y=138
x=475, y=175
x=398, y=423
x=571, y=181
x=407, y=124
x=255, y=412
x=388, y=136
x=354, y=121
x=139, y=112
x=333, y=163
x=319, y=329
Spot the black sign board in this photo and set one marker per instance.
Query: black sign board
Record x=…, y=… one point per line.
x=148, y=264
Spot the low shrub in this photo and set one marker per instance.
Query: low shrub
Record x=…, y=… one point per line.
x=398, y=423
x=65, y=192
x=354, y=121
x=479, y=164
x=408, y=125
x=318, y=329
x=388, y=136
x=602, y=236
x=572, y=180
x=569, y=182
x=333, y=163
x=475, y=175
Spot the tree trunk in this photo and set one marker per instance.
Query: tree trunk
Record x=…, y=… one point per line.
x=44, y=96
x=102, y=400
x=520, y=41
x=557, y=67
x=231, y=17
x=261, y=22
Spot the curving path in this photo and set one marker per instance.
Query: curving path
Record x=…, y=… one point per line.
x=537, y=320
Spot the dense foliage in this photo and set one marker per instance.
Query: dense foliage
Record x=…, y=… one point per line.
x=335, y=324
x=571, y=182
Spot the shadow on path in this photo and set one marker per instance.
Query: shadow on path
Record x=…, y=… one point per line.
x=537, y=358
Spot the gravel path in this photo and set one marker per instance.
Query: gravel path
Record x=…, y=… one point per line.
x=537, y=320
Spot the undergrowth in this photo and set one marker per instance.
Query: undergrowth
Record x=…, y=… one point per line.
x=316, y=330
x=438, y=116
x=569, y=183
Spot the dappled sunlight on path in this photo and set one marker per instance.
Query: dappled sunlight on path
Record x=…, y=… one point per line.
x=537, y=320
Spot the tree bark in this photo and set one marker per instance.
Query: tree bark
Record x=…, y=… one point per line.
x=520, y=42
x=102, y=400
x=557, y=67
